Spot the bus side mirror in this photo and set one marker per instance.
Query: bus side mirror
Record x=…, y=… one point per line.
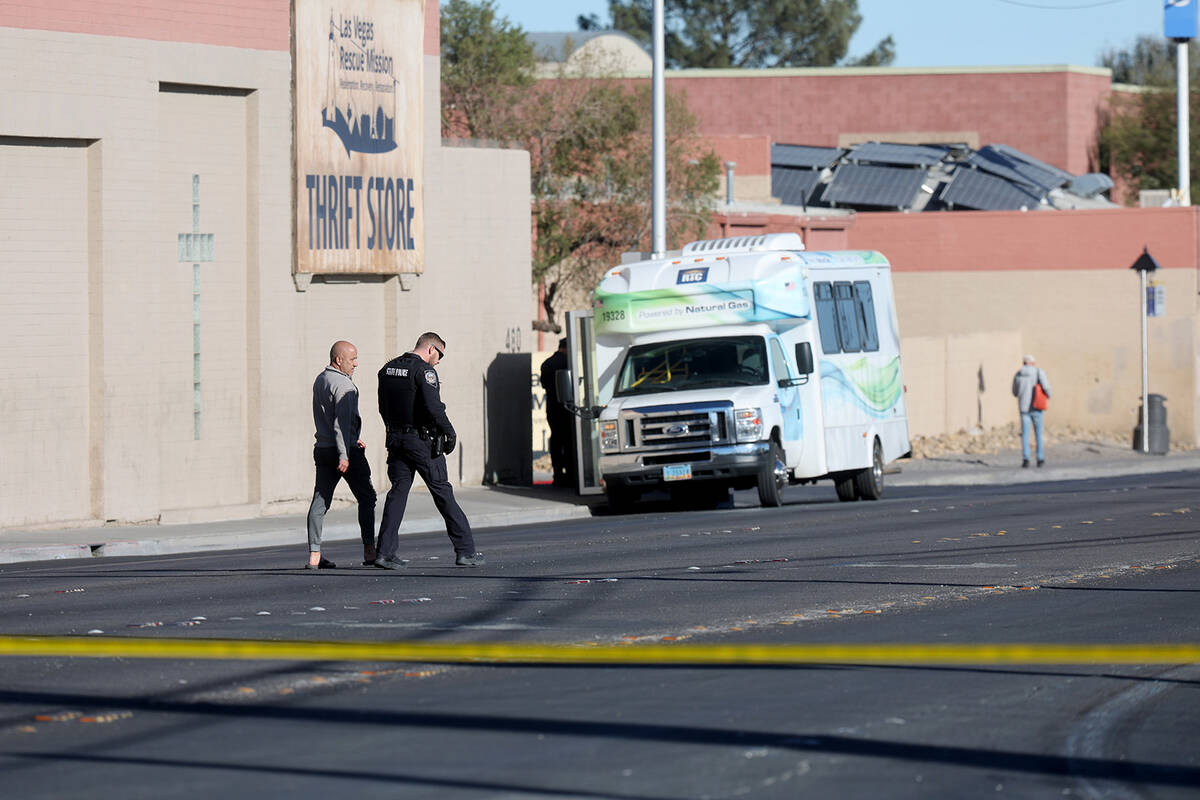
x=804, y=358
x=566, y=388
x=566, y=396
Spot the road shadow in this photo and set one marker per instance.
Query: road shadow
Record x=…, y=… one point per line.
x=1141, y=772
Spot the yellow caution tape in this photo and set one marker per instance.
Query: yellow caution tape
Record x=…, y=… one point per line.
x=521, y=653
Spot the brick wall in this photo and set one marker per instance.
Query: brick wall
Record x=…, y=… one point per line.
x=255, y=24
x=1048, y=112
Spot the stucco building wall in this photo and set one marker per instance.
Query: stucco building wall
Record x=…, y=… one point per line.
x=111, y=108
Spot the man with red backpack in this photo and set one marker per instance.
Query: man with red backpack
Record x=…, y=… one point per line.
x=1031, y=387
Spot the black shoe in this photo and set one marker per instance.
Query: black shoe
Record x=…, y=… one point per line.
x=391, y=562
x=469, y=560
x=1025, y=463
x=1041, y=462
x=324, y=563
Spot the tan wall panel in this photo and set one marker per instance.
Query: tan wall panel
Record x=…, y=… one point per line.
x=44, y=387
x=978, y=382
x=961, y=382
x=1081, y=325
x=296, y=350
x=475, y=290
x=924, y=363
x=203, y=135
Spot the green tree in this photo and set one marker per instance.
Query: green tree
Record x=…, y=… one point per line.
x=1136, y=143
x=590, y=163
x=1137, y=140
x=1150, y=61
x=749, y=33
x=485, y=62
x=588, y=137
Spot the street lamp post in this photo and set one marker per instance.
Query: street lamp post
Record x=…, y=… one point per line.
x=658, y=210
x=1179, y=25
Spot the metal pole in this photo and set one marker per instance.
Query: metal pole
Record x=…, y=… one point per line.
x=658, y=244
x=1145, y=369
x=1181, y=114
x=729, y=167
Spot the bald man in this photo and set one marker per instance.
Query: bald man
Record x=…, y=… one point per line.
x=339, y=452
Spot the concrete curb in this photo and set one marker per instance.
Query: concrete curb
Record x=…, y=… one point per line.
x=1019, y=476
x=275, y=537
x=43, y=552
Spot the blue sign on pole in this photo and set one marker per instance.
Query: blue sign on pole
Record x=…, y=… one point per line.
x=1179, y=19
x=1156, y=300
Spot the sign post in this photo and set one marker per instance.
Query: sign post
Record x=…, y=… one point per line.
x=1145, y=263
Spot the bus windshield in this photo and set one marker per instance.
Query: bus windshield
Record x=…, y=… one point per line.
x=693, y=364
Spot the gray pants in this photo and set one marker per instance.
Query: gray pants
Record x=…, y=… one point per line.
x=358, y=478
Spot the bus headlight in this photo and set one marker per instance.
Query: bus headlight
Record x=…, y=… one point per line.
x=748, y=424
x=608, y=437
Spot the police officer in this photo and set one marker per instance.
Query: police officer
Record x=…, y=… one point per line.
x=415, y=416
x=562, y=437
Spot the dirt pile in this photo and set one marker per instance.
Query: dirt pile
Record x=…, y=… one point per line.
x=1006, y=437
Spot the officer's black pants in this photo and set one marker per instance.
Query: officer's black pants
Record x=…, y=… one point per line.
x=562, y=446
x=408, y=455
x=358, y=477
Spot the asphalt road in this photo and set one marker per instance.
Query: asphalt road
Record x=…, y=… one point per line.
x=1111, y=561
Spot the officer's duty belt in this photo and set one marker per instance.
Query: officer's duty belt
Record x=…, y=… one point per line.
x=407, y=429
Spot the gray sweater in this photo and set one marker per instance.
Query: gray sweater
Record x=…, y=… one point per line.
x=335, y=411
x=1023, y=383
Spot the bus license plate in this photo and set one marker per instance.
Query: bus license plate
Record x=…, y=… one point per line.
x=677, y=472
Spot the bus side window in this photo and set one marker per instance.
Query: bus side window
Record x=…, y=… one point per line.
x=826, y=317
x=864, y=304
x=847, y=324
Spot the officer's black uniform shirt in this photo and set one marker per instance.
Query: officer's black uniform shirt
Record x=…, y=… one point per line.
x=558, y=360
x=409, y=395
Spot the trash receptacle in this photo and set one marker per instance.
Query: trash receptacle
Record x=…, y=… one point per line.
x=1160, y=435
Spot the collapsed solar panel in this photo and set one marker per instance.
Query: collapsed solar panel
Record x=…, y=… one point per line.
x=907, y=177
x=976, y=189
x=868, y=185
x=793, y=187
x=799, y=155
x=1018, y=167
x=917, y=155
x=1090, y=185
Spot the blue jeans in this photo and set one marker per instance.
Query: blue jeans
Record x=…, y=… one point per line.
x=1036, y=418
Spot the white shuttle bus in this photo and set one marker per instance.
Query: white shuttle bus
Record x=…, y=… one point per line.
x=746, y=362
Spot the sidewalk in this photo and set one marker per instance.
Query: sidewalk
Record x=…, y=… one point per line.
x=1065, y=461
x=493, y=506
x=485, y=507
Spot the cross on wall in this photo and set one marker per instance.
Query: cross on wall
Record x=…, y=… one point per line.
x=197, y=248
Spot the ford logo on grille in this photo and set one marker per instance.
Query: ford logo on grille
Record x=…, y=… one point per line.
x=678, y=429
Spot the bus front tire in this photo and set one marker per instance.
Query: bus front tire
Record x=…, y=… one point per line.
x=772, y=479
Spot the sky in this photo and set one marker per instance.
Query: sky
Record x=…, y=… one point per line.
x=945, y=33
